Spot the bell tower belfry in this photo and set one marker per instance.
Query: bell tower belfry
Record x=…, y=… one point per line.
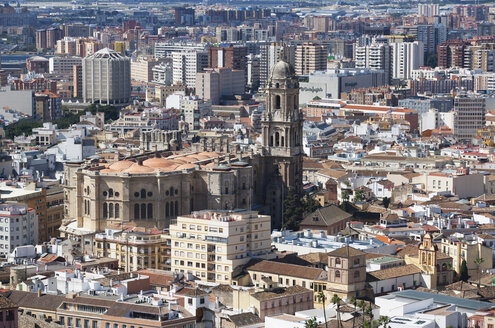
x=281, y=138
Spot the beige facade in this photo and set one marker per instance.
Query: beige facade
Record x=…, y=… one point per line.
x=469, y=251
x=461, y=184
x=310, y=57
x=347, y=272
x=212, y=244
x=141, y=69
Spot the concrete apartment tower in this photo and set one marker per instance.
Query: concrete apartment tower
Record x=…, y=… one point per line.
x=106, y=78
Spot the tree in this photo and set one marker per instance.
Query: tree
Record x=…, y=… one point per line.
x=479, y=261
x=463, y=273
x=336, y=301
x=384, y=320
x=359, y=196
x=311, y=323
x=293, y=210
x=310, y=204
x=362, y=307
x=322, y=298
x=353, y=301
x=386, y=202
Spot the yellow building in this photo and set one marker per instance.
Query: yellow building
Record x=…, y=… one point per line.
x=135, y=249
x=436, y=267
x=212, y=244
x=462, y=249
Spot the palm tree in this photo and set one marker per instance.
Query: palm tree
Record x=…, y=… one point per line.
x=336, y=300
x=353, y=301
x=362, y=306
x=479, y=261
x=322, y=298
x=369, y=313
x=384, y=320
x=311, y=323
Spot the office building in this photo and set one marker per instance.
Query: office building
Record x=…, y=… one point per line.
x=106, y=78
x=185, y=66
x=212, y=244
x=77, y=81
x=469, y=114
x=310, y=57
x=163, y=73
x=63, y=65
x=406, y=56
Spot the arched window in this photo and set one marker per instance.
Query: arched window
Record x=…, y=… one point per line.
x=337, y=261
x=277, y=102
x=277, y=139
x=143, y=193
x=423, y=258
x=171, y=208
x=150, y=211
x=271, y=140
x=110, y=210
x=167, y=212
x=282, y=141
x=429, y=259
x=356, y=274
x=136, y=211
x=143, y=211
x=110, y=193
x=176, y=208
x=171, y=191
x=444, y=267
x=105, y=210
x=117, y=211
x=337, y=274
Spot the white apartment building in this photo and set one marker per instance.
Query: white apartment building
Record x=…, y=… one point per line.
x=406, y=56
x=428, y=9
x=166, y=49
x=163, y=73
x=469, y=114
x=18, y=227
x=212, y=244
x=186, y=64
x=376, y=56
x=63, y=65
x=194, y=109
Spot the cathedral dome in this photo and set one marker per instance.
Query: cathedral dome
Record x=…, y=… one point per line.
x=282, y=70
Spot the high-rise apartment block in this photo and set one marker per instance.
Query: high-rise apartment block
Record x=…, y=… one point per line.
x=106, y=78
x=186, y=64
x=212, y=244
x=376, y=56
x=428, y=9
x=469, y=114
x=270, y=55
x=19, y=227
x=406, y=56
x=77, y=81
x=233, y=57
x=310, y=57
x=215, y=83
x=431, y=36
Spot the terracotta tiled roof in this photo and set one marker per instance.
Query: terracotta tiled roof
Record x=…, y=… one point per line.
x=292, y=270
x=394, y=272
x=346, y=252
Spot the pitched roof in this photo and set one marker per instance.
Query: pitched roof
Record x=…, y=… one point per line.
x=346, y=251
x=325, y=216
x=244, y=319
x=280, y=292
x=394, y=272
x=33, y=301
x=292, y=270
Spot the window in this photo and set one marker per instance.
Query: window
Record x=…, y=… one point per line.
x=337, y=261
x=150, y=211
x=110, y=210
x=105, y=210
x=337, y=274
x=117, y=211
x=356, y=274
x=136, y=211
x=110, y=193
x=143, y=211
x=143, y=193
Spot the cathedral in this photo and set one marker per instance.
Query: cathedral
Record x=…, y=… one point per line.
x=155, y=187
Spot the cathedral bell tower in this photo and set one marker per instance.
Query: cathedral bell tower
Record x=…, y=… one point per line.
x=281, y=134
